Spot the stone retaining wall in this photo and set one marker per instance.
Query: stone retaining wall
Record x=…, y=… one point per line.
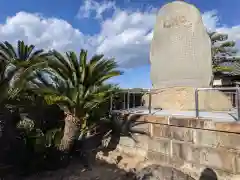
x=190, y=145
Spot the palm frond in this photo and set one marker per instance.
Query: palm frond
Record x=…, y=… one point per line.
x=11, y=50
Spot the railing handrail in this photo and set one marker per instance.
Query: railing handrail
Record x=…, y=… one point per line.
x=134, y=90
x=217, y=88
x=237, y=89
x=152, y=91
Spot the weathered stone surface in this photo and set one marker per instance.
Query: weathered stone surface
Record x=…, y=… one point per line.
x=236, y=177
x=228, y=127
x=238, y=164
x=190, y=145
x=182, y=134
x=142, y=127
x=180, y=49
x=159, y=130
x=158, y=119
x=159, y=145
x=158, y=157
x=183, y=99
x=142, y=141
x=157, y=172
x=217, y=139
x=125, y=141
x=216, y=158
x=185, y=152
x=206, y=138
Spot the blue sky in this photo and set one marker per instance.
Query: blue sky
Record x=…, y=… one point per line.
x=120, y=29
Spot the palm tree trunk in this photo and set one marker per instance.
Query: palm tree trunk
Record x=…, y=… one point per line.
x=70, y=133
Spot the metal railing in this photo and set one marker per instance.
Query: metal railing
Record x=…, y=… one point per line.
x=133, y=92
x=231, y=92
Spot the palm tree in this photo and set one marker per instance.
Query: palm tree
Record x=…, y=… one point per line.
x=78, y=86
x=17, y=65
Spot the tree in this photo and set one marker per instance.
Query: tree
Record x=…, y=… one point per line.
x=17, y=65
x=223, y=51
x=78, y=86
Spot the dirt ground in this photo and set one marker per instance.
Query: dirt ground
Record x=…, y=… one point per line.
x=100, y=171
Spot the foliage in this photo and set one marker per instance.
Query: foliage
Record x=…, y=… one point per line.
x=37, y=137
x=41, y=90
x=77, y=86
x=223, y=51
x=35, y=85
x=126, y=126
x=17, y=66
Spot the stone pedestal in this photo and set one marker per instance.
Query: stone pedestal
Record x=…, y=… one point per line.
x=183, y=99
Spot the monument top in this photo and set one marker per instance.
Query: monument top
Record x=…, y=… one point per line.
x=180, y=52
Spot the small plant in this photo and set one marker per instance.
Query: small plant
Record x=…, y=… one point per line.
x=121, y=126
x=36, y=137
x=126, y=125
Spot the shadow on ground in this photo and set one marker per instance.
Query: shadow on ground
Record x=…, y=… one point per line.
x=75, y=171
x=100, y=170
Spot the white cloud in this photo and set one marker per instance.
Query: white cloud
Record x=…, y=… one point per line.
x=42, y=32
x=125, y=35
x=210, y=20
x=233, y=32
x=91, y=6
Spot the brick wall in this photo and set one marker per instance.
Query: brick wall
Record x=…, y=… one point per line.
x=190, y=145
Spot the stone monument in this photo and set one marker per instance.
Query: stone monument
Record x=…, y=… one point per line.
x=181, y=48
x=181, y=61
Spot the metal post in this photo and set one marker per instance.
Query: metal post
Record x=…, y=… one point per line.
x=150, y=102
x=124, y=105
x=196, y=103
x=128, y=99
x=236, y=97
x=237, y=102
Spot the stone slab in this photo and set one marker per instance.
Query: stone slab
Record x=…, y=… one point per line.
x=180, y=52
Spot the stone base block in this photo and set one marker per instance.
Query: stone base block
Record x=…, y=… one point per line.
x=183, y=99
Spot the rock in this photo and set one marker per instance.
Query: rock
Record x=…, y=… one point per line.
x=180, y=52
x=157, y=172
x=183, y=99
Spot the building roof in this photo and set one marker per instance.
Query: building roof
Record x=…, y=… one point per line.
x=235, y=66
